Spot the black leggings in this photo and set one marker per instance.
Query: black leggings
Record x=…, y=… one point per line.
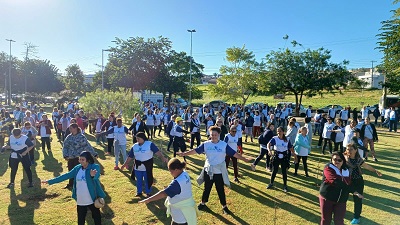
x=82, y=210
x=45, y=141
x=171, y=140
x=357, y=185
x=329, y=141
x=263, y=151
x=275, y=167
x=194, y=136
x=219, y=186
x=296, y=166
x=234, y=163
x=179, y=143
x=338, y=146
x=26, y=163
x=159, y=129
x=32, y=154
x=110, y=144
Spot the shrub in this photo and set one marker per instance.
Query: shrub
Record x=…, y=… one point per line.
x=105, y=102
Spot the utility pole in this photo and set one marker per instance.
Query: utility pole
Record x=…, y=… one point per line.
x=9, y=74
x=190, y=67
x=30, y=51
x=372, y=74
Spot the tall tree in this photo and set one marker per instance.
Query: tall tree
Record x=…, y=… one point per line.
x=42, y=77
x=136, y=62
x=389, y=45
x=240, y=79
x=304, y=73
x=74, y=79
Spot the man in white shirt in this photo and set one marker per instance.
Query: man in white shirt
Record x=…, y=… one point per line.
x=364, y=113
x=392, y=120
x=332, y=112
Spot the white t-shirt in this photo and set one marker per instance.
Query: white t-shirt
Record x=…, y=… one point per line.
x=232, y=141
x=83, y=197
x=257, y=121
x=179, y=190
x=348, y=135
x=43, y=131
x=368, y=131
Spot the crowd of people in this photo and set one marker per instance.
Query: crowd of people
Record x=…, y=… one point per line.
x=349, y=138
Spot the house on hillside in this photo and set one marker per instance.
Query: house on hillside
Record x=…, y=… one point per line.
x=373, y=80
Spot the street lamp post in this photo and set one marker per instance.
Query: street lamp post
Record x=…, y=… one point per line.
x=9, y=74
x=102, y=67
x=190, y=67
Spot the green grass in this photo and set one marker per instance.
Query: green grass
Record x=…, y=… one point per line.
x=250, y=201
x=354, y=98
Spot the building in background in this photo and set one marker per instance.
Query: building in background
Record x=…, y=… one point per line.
x=374, y=82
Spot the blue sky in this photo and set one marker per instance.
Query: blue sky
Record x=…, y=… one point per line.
x=75, y=31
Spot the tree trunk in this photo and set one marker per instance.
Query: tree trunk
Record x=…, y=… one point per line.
x=297, y=103
x=169, y=102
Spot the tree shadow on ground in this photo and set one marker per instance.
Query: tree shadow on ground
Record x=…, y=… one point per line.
x=51, y=164
x=31, y=196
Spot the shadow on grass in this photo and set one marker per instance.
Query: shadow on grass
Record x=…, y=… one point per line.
x=51, y=164
x=4, y=162
x=31, y=196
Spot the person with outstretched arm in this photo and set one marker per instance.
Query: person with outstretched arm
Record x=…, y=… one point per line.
x=214, y=170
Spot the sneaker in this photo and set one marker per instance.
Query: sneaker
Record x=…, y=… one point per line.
x=10, y=185
x=139, y=195
x=307, y=175
x=355, y=221
x=295, y=174
x=201, y=206
x=225, y=210
x=236, y=180
x=270, y=186
x=116, y=168
x=30, y=185
x=285, y=189
x=268, y=169
x=253, y=167
x=68, y=186
x=148, y=195
x=374, y=159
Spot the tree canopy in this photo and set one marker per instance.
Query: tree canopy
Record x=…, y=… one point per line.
x=309, y=72
x=240, y=79
x=389, y=45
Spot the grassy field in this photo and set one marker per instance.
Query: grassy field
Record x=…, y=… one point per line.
x=250, y=201
x=354, y=98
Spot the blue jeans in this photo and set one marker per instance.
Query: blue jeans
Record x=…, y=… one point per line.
x=119, y=149
x=140, y=175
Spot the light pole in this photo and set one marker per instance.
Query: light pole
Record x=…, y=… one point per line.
x=372, y=74
x=190, y=67
x=9, y=74
x=102, y=67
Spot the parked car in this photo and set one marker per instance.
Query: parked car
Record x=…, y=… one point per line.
x=325, y=109
x=215, y=104
x=182, y=102
x=254, y=104
x=372, y=108
x=302, y=111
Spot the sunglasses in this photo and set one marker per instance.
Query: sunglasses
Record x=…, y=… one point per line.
x=338, y=160
x=233, y=130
